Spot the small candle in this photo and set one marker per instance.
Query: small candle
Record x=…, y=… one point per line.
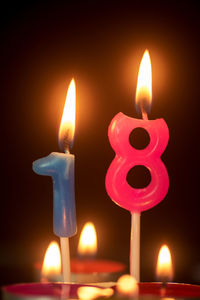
x=86, y=268
x=164, y=270
x=164, y=289
x=147, y=290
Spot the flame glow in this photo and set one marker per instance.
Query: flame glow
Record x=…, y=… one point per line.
x=67, y=125
x=127, y=285
x=144, y=82
x=52, y=261
x=87, y=292
x=164, y=270
x=88, y=240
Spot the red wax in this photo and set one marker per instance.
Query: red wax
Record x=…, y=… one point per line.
x=34, y=290
x=59, y=290
x=96, y=266
x=172, y=290
x=87, y=271
x=92, y=266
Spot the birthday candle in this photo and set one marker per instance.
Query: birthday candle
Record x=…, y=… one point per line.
x=127, y=157
x=60, y=166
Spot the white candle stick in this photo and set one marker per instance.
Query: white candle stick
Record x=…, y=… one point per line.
x=65, y=257
x=135, y=246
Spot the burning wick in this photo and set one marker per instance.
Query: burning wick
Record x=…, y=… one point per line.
x=51, y=268
x=127, y=286
x=164, y=270
x=87, y=246
x=144, y=86
x=67, y=125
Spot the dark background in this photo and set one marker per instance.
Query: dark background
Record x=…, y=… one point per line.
x=101, y=44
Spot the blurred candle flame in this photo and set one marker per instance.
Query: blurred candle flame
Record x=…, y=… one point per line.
x=164, y=269
x=52, y=261
x=127, y=285
x=89, y=293
x=144, y=84
x=67, y=125
x=87, y=245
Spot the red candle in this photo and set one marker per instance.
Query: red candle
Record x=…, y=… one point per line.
x=128, y=287
x=174, y=290
x=59, y=291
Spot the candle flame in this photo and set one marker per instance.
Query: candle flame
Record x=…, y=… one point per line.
x=127, y=285
x=67, y=125
x=87, y=245
x=144, y=84
x=52, y=261
x=164, y=269
x=89, y=293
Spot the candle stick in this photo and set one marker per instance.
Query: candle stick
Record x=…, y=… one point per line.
x=60, y=166
x=127, y=157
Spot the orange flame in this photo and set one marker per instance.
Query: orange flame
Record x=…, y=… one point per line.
x=164, y=269
x=144, y=82
x=89, y=293
x=67, y=125
x=127, y=285
x=52, y=261
x=88, y=240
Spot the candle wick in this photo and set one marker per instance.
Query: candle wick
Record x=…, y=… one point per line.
x=67, y=150
x=144, y=113
x=163, y=289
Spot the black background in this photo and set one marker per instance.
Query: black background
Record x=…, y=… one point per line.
x=101, y=44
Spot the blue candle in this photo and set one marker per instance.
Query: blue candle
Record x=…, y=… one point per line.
x=60, y=166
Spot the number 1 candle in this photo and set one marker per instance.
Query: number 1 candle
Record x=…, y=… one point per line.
x=60, y=166
x=127, y=157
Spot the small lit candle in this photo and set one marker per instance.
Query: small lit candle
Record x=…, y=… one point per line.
x=166, y=289
x=164, y=270
x=86, y=268
x=50, y=269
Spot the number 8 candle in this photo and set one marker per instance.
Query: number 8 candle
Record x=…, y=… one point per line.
x=127, y=157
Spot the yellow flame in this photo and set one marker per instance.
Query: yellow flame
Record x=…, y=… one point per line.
x=88, y=240
x=144, y=82
x=52, y=260
x=87, y=292
x=164, y=269
x=68, y=118
x=127, y=285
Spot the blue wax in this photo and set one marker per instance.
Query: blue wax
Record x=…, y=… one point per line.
x=60, y=167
